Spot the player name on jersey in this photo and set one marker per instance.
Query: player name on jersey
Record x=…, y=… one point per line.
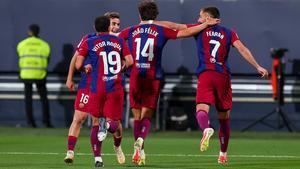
x=106, y=43
x=213, y=33
x=146, y=30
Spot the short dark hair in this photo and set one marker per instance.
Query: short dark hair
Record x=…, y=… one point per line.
x=102, y=23
x=148, y=10
x=212, y=11
x=35, y=29
x=112, y=15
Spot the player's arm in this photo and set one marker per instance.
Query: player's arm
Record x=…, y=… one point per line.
x=70, y=83
x=247, y=55
x=79, y=62
x=82, y=53
x=171, y=25
x=191, y=31
x=128, y=61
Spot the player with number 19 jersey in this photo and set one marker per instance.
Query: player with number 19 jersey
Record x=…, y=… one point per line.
x=106, y=89
x=84, y=83
x=146, y=43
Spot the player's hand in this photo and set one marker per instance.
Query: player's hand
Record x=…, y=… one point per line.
x=123, y=66
x=88, y=68
x=212, y=21
x=70, y=85
x=263, y=72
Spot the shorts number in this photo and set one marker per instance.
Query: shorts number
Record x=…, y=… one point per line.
x=111, y=61
x=84, y=98
x=147, y=49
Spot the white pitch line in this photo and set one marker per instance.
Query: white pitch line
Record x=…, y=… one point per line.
x=154, y=155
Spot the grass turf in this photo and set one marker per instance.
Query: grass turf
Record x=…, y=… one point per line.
x=25, y=148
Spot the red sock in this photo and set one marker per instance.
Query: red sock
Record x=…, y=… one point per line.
x=224, y=134
x=202, y=119
x=117, y=141
x=71, y=142
x=136, y=128
x=145, y=127
x=95, y=143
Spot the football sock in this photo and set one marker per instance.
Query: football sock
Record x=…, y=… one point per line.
x=224, y=133
x=136, y=128
x=202, y=119
x=117, y=141
x=145, y=127
x=71, y=142
x=113, y=125
x=95, y=143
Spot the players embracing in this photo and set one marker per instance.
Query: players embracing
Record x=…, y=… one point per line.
x=146, y=41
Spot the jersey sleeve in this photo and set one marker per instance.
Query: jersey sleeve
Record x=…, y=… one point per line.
x=170, y=33
x=125, y=49
x=124, y=34
x=83, y=48
x=82, y=40
x=234, y=37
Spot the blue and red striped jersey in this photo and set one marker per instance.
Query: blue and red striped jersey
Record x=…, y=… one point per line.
x=146, y=43
x=85, y=78
x=106, y=53
x=213, y=46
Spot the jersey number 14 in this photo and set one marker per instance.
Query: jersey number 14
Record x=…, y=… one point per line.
x=147, y=50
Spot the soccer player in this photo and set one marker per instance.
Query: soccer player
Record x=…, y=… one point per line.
x=146, y=41
x=80, y=114
x=109, y=55
x=214, y=86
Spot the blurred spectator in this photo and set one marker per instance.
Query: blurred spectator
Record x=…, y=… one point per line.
x=33, y=61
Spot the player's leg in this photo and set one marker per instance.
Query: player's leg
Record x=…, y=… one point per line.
x=223, y=105
x=117, y=144
x=113, y=111
x=204, y=98
x=224, y=134
x=95, y=143
x=81, y=104
x=203, y=122
x=145, y=125
x=74, y=130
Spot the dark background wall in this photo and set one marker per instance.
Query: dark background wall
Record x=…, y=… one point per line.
x=260, y=24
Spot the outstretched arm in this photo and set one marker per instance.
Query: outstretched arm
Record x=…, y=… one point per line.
x=245, y=52
x=191, y=31
x=171, y=25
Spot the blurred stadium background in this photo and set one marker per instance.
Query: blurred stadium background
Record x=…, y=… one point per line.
x=261, y=25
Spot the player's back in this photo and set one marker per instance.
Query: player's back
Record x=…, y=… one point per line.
x=106, y=54
x=146, y=43
x=213, y=46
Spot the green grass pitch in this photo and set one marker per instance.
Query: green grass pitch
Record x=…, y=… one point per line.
x=24, y=148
